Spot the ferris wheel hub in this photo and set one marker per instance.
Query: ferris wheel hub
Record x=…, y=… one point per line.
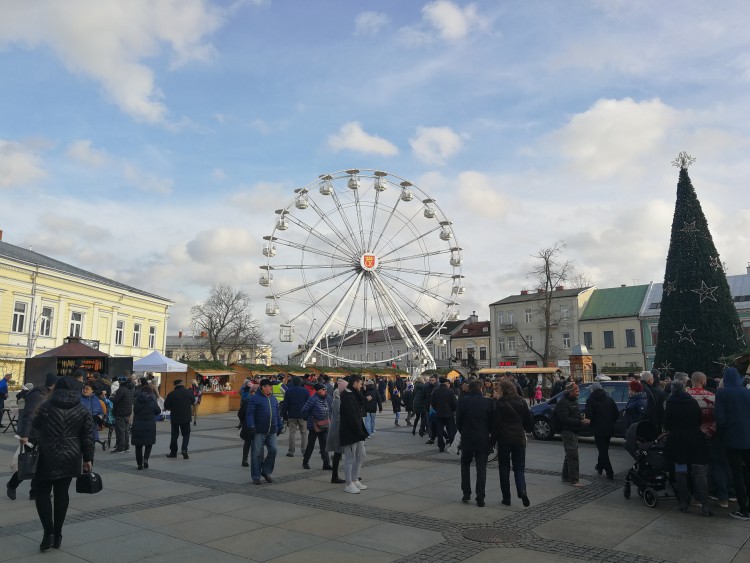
x=369, y=262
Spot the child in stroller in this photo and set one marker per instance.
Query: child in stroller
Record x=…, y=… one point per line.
x=651, y=473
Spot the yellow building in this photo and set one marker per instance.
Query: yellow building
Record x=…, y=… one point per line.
x=43, y=300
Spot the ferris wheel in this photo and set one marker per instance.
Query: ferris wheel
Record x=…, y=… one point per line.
x=362, y=260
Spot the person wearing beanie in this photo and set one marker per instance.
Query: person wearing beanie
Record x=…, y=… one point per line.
x=569, y=421
x=636, y=408
x=264, y=425
x=179, y=403
x=603, y=413
x=34, y=399
x=318, y=418
x=295, y=398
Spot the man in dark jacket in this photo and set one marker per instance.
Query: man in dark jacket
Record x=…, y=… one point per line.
x=601, y=410
x=291, y=411
x=179, y=403
x=558, y=386
x=26, y=432
x=474, y=421
x=569, y=421
x=656, y=398
x=122, y=402
x=316, y=411
x=264, y=424
x=444, y=402
x=425, y=425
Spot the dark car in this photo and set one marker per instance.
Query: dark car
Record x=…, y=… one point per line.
x=544, y=427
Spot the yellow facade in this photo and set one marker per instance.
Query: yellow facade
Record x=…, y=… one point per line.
x=43, y=301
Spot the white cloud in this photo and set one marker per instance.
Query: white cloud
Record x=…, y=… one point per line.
x=146, y=182
x=451, y=21
x=19, y=165
x=218, y=174
x=613, y=135
x=369, y=23
x=83, y=152
x=352, y=137
x=109, y=42
x=208, y=245
x=435, y=144
x=483, y=195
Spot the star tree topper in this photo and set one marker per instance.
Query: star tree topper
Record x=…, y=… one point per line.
x=683, y=161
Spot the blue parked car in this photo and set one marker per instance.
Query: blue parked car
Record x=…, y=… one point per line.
x=544, y=427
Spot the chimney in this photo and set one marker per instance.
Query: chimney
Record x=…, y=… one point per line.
x=179, y=334
x=559, y=288
x=204, y=334
x=623, y=285
x=1, y=238
x=473, y=317
x=748, y=264
x=540, y=290
x=526, y=291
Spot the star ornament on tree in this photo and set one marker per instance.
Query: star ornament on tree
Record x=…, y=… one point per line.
x=669, y=287
x=705, y=292
x=689, y=227
x=715, y=262
x=683, y=160
x=666, y=367
x=686, y=333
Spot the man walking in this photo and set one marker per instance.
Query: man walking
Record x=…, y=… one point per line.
x=444, y=402
x=263, y=426
x=318, y=419
x=474, y=421
x=123, y=407
x=179, y=403
x=294, y=399
x=602, y=411
x=569, y=421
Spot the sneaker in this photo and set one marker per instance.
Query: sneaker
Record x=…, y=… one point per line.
x=505, y=501
x=352, y=488
x=466, y=498
x=267, y=478
x=289, y=454
x=696, y=502
x=713, y=497
x=732, y=499
x=360, y=485
x=256, y=481
x=740, y=515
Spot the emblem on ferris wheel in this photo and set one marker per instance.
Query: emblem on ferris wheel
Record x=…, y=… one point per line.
x=363, y=258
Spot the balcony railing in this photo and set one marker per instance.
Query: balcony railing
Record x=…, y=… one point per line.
x=507, y=326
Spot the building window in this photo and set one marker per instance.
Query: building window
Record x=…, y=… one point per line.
x=152, y=337
x=482, y=353
x=458, y=353
x=609, y=339
x=630, y=337
x=136, y=335
x=119, y=332
x=76, y=324
x=527, y=315
x=45, y=326
x=529, y=342
x=19, y=317
x=511, y=344
x=511, y=317
x=564, y=311
x=654, y=334
x=566, y=340
x=588, y=340
x=500, y=318
x=501, y=344
x=656, y=305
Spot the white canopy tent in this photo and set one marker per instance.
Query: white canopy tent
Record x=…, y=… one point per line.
x=158, y=362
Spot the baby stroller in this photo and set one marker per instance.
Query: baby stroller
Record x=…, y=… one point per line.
x=651, y=473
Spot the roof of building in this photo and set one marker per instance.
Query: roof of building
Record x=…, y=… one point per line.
x=739, y=287
x=473, y=330
x=73, y=348
x=18, y=254
x=615, y=302
x=538, y=296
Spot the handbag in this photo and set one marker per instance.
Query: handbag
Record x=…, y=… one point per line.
x=27, y=463
x=321, y=425
x=89, y=483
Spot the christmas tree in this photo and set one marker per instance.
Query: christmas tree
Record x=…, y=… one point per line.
x=698, y=323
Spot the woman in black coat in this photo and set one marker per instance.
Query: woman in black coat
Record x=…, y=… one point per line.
x=601, y=410
x=143, y=430
x=352, y=433
x=686, y=446
x=65, y=432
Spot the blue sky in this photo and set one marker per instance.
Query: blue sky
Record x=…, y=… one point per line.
x=151, y=141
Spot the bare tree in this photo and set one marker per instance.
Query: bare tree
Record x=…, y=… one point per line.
x=227, y=321
x=549, y=272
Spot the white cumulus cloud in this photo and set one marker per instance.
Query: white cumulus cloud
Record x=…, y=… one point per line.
x=369, y=23
x=83, y=152
x=451, y=20
x=108, y=41
x=483, y=195
x=19, y=165
x=435, y=144
x=208, y=245
x=352, y=137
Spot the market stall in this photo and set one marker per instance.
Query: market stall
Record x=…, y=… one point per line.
x=169, y=370
x=219, y=388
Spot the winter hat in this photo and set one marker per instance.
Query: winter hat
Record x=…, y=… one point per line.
x=571, y=387
x=264, y=382
x=342, y=383
x=635, y=386
x=595, y=386
x=177, y=382
x=50, y=380
x=444, y=380
x=319, y=386
x=66, y=383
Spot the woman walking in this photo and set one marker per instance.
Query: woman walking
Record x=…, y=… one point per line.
x=143, y=432
x=66, y=446
x=511, y=422
x=92, y=404
x=418, y=404
x=315, y=411
x=197, y=396
x=372, y=404
x=333, y=442
x=601, y=410
x=352, y=433
x=396, y=402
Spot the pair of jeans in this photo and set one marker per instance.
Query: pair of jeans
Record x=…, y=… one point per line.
x=52, y=520
x=571, y=464
x=739, y=462
x=445, y=425
x=122, y=439
x=321, y=438
x=720, y=475
x=177, y=429
x=480, y=459
x=398, y=414
x=260, y=464
x=297, y=424
x=370, y=423
x=603, y=462
x=354, y=457
x=506, y=453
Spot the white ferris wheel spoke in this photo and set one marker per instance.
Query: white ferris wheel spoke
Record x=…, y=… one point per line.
x=345, y=219
x=331, y=225
x=359, y=221
x=405, y=222
x=313, y=232
x=387, y=222
x=314, y=304
x=420, y=289
x=415, y=256
x=416, y=271
x=372, y=221
x=412, y=305
x=412, y=241
x=310, y=249
x=312, y=283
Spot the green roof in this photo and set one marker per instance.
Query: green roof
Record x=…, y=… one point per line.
x=615, y=302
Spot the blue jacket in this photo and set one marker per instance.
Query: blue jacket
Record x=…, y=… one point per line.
x=294, y=399
x=93, y=405
x=263, y=414
x=636, y=409
x=732, y=411
x=3, y=388
x=315, y=409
